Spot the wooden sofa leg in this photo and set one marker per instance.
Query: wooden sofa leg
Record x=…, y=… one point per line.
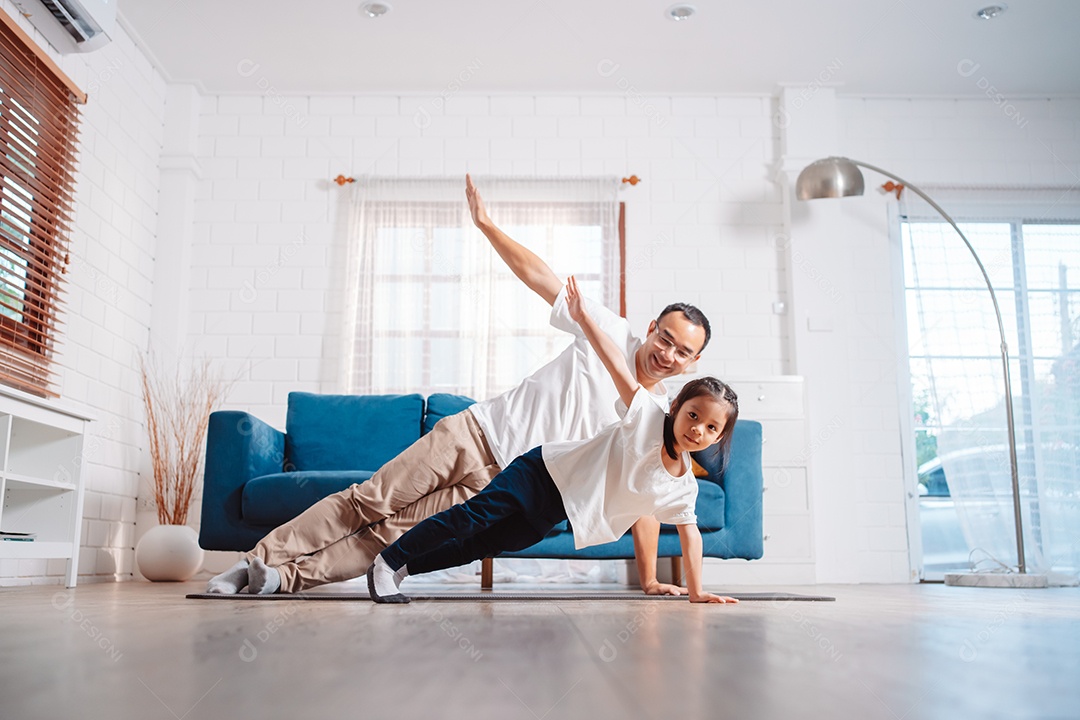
x=676, y=570
x=485, y=574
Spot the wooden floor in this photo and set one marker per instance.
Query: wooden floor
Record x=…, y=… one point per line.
x=899, y=652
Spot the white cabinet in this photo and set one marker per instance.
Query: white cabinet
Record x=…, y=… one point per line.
x=41, y=445
x=779, y=404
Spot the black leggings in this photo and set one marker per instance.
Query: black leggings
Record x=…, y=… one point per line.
x=515, y=511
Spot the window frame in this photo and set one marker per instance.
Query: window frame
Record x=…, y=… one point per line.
x=39, y=124
x=1023, y=359
x=1021, y=348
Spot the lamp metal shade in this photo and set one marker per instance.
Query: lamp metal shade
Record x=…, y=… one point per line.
x=829, y=178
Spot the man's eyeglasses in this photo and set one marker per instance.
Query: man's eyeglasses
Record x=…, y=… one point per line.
x=667, y=342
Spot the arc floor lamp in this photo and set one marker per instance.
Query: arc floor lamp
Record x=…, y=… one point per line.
x=836, y=177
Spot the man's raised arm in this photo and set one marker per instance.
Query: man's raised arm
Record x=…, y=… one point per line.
x=529, y=268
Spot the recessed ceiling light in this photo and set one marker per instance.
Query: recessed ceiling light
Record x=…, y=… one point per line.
x=679, y=13
x=991, y=11
x=375, y=9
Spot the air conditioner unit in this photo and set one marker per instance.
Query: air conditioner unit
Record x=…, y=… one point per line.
x=71, y=25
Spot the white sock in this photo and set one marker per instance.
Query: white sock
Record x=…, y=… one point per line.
x=384, y=581
x=231, y=581
x=262, y=579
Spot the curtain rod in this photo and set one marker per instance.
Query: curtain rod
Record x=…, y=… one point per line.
x=341, y=180
x=898, y=188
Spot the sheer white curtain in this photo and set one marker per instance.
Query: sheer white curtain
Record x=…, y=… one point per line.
x=433, y=308
x=1029, y=241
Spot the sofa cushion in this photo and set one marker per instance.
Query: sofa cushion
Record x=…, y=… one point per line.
x=710, y=505
x=710, y=460
x=349, y=432
x=440, y=405
x=271, y=500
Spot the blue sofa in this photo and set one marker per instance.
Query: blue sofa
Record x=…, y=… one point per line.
x=257, y=477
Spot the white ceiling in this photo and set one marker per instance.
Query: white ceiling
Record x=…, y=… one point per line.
x=865, y=47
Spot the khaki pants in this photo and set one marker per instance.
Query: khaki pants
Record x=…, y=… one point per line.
x=338, y=537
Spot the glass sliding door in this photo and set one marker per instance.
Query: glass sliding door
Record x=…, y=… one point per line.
x=958, y=391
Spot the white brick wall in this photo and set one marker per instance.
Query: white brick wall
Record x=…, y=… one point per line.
x=108, y=296
x=267, y=258
x=967, y=141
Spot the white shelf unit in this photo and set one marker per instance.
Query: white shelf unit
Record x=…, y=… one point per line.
x=41, y=484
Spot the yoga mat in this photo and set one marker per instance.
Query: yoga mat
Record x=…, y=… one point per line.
x=496, y=596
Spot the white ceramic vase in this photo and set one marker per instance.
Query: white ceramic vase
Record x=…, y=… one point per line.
x=169, y=553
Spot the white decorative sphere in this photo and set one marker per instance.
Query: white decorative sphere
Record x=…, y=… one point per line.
x=169, y=553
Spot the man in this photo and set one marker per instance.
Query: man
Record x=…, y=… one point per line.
x=570, y=398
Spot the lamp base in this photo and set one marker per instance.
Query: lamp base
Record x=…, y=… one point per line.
x=997, y=580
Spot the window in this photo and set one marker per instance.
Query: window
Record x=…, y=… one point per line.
x=958, y=389
x=38, y=129
x=437, y=309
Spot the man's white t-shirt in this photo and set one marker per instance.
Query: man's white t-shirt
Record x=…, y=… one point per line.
x=609, y=481
x=571, y=398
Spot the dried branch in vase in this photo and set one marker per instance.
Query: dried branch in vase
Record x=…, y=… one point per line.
x=177, y=414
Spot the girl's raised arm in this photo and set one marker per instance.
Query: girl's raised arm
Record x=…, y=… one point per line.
x=625, y=381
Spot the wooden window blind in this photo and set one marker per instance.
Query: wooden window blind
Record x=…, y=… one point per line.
x=39, y=121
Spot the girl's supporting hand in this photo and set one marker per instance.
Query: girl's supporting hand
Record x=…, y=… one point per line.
x=706, y=597
x=574, y=302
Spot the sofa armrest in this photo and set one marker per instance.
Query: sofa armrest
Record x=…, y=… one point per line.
x=239, y=447
x=744, y=485
x=742, y=481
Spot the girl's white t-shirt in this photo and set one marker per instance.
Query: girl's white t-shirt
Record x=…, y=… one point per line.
x=570, y=398
x=609, y=481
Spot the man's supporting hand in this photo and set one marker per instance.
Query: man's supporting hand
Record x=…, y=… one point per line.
x=646, y=533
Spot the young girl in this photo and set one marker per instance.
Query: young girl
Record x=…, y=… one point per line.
x=638, y=466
